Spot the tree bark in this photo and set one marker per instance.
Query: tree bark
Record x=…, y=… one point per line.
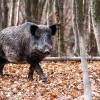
x=40, y=9
x=5, y=13
x=11, y=19
x=61, y=47
x=58, y=4
x=95, y=14
x=55, y=47
x=49, y=13
x=91, y=40
x=89, y=47
x=0, y=16
x=75, y=31
x=28, y=10
x=17, y=12
x=34, y=11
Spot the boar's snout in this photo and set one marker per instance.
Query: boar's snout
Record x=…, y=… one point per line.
x=45, y=49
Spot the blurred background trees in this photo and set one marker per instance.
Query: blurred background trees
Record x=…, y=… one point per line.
x=61, y=12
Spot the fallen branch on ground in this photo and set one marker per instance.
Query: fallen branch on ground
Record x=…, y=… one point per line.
x=70, y=59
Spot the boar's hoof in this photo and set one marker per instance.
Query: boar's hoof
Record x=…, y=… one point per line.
x=1, y=73
x=43, y=79
x=30, y=76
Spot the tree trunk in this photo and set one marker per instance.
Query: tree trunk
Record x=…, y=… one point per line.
x=66, y=10
x=49, y=13
x=40, y=9
x=28, y=10
x=95, y=14
x=17, y=12
x=11, y=19
x=0, y=16
x=49, y=21
x=91, y=41
x=89, y=47
x=80, y=27
x=86, y=20
x=61, y=48
x=77, y=48
x=58, y=4
x=34, y=11
x=5, y=13
x=56, y=11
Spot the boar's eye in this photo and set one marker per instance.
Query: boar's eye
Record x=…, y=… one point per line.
x=53, y=28
x=33, y=29
x=37, y=36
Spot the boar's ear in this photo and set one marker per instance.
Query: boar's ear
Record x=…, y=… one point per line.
x=33, y=29
x=53, y=28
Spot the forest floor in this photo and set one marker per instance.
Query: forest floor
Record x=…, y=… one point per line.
x=64, y=82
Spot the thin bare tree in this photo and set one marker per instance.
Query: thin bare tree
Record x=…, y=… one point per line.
x=28, y=10
x=80, y=28
x=17, y=12
x=95, y=14
x=75, y=31
x=58, y=5
x=5, y=14
x=12, y=10
x=49, y=12
x=0, y=16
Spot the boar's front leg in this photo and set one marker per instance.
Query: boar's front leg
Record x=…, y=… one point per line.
x=35, y=66
x=2, y=63
x=31, y=70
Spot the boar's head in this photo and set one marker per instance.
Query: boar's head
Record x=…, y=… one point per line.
x=42, y=42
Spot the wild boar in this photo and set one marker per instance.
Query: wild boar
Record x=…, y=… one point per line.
x=28, y=43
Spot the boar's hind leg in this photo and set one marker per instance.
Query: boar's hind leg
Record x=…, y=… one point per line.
x=35, y=66
x=2, y=63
